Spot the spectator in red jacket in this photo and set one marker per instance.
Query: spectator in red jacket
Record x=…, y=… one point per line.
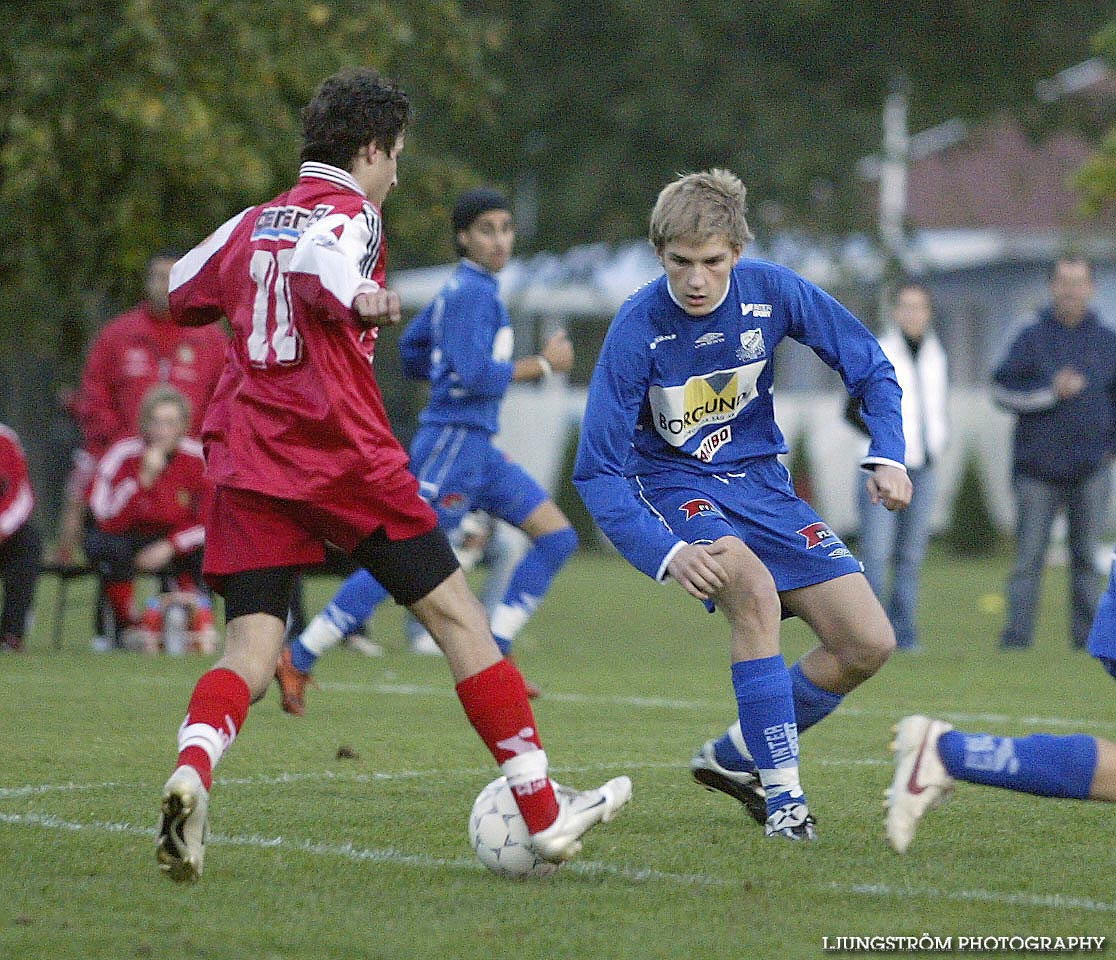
x=132, y=353
x=149, y=499
x=20, y=550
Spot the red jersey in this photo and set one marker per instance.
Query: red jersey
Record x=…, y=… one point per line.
x=134, y=352
x=297, y=413
x=174, y=506
x=16, y=499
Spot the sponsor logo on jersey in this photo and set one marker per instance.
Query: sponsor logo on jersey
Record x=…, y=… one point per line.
x=708, y=339
x=186, y=353
x=751, y=345
x=452, y=501
x=711, y=444
x=755, y=309
x=182, y=498
x=681, y=411
x=839, y=553
x=287, y=223
x=666, y=336
x=699, y=507
x=816, y=534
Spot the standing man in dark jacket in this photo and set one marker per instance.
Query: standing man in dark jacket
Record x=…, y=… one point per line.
x=1059, y=378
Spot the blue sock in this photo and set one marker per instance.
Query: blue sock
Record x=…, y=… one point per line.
x=1042, y=764
x=529, y=584
x=353, y=603
x=766, y=706
x=811, y=702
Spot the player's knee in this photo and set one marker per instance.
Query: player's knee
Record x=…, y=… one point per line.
x=749, y=591
x=869, y=650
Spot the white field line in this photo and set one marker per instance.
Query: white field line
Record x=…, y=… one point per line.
x=668, y=703
x=393, y=857
x=723, y=708
x=281, y=779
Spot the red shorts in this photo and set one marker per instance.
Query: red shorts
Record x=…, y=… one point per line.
x=246, y=530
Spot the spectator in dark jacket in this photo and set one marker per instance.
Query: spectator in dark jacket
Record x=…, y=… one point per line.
x=1059, y=378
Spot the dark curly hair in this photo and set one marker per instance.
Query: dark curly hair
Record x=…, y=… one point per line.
x=353, y=108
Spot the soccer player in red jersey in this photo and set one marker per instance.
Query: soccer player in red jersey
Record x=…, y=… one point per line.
x=300, y=451
x=20, y=547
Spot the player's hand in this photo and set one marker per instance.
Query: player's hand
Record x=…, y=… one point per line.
x=890, y=486
x=380, y=308
x=154, y=462
x=1068, y=383
x=699, y=571
x=154, y=557
x=558, y=352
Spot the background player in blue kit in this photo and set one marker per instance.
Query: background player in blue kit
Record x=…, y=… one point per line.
x=462, y=343
x=678, y=464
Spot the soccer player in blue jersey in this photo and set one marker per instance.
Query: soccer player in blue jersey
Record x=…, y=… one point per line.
x=462, y=343
x=930, y=755
x=678, y=463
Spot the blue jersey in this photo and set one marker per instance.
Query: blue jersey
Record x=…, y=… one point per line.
x=676, y=393
x=462, y=343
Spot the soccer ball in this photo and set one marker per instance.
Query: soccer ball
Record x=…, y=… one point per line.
x=500, y=838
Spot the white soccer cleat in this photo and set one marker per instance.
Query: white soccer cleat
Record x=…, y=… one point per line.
x=578, y=810
x=184, y=826
x=921, y=781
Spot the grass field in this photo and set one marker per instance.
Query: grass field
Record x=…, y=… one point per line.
x=313, y=856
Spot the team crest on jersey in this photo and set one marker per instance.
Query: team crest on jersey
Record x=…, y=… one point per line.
x=751, y=345
x=710, y=338
x=182, y=498
x=452, y=501
x=699, y=507
x=185, y=353
x=816, y=534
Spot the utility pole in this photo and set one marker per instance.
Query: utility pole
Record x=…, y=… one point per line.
x=893, y=169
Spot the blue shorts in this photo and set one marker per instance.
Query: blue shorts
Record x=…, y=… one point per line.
x=1102, y=636
x=459, y=470
x=759, y=506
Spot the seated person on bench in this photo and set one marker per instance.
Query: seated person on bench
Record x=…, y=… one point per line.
x=148, y=499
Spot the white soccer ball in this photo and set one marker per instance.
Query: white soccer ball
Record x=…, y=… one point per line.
x=500, y=838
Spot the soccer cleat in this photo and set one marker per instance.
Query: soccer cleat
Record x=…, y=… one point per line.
x=793, y=822
x=292, y=684
x=742, y=785
x=363, y=645
x=921, y=782
x=424, y=644
x=184, y=826
x=578, y=810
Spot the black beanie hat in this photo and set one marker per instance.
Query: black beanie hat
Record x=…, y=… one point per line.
x=472, y=203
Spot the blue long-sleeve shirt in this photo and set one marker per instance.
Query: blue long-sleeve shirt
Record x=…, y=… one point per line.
x=1060, y=441
x=676, y=393
x=462, y=343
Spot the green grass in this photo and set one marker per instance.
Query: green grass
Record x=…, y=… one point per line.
x=319, y=857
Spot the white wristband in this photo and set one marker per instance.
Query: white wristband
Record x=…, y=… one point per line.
x=547, y=369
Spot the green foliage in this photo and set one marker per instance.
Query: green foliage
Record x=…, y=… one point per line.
x=130, y=127
x=316, y=856
x=971, y=531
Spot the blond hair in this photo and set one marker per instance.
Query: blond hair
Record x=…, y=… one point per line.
x=156, y=397
x=697, y=207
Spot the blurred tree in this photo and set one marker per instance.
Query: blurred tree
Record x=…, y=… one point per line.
x=127, y=127
x=1097, y=178
x=602, y=108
